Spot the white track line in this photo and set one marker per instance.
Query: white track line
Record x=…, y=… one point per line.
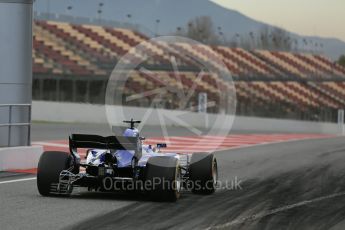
x=18, y=180
x=274, y=211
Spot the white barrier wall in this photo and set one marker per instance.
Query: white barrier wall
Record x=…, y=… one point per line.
x=86, y=113
x=23, y=157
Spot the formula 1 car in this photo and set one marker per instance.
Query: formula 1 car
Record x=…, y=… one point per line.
x=125, y=163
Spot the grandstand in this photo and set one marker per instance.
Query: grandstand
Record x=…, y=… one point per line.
x=74, y=62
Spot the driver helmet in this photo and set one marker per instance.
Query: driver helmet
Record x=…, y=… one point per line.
x=131, y=133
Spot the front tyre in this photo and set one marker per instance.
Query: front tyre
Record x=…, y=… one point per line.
x=203, y=172
x=50, y=165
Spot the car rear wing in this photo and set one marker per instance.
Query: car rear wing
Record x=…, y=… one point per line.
x=98, y=142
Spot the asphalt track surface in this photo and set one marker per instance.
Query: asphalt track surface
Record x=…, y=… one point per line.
x=292, y=185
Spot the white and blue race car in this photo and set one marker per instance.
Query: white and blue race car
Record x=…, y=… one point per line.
x=124, y=163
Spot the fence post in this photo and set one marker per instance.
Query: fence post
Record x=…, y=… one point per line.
x=10, y=126
x=341, y=121
x=29, y=126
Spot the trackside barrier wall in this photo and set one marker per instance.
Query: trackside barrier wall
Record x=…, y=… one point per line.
x=23, y=157
x=86, y=113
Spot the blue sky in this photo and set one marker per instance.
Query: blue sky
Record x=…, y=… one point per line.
x=307, y=17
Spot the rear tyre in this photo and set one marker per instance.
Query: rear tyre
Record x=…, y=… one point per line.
x=49, y=168
x=203, y=173
x=163, y=178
